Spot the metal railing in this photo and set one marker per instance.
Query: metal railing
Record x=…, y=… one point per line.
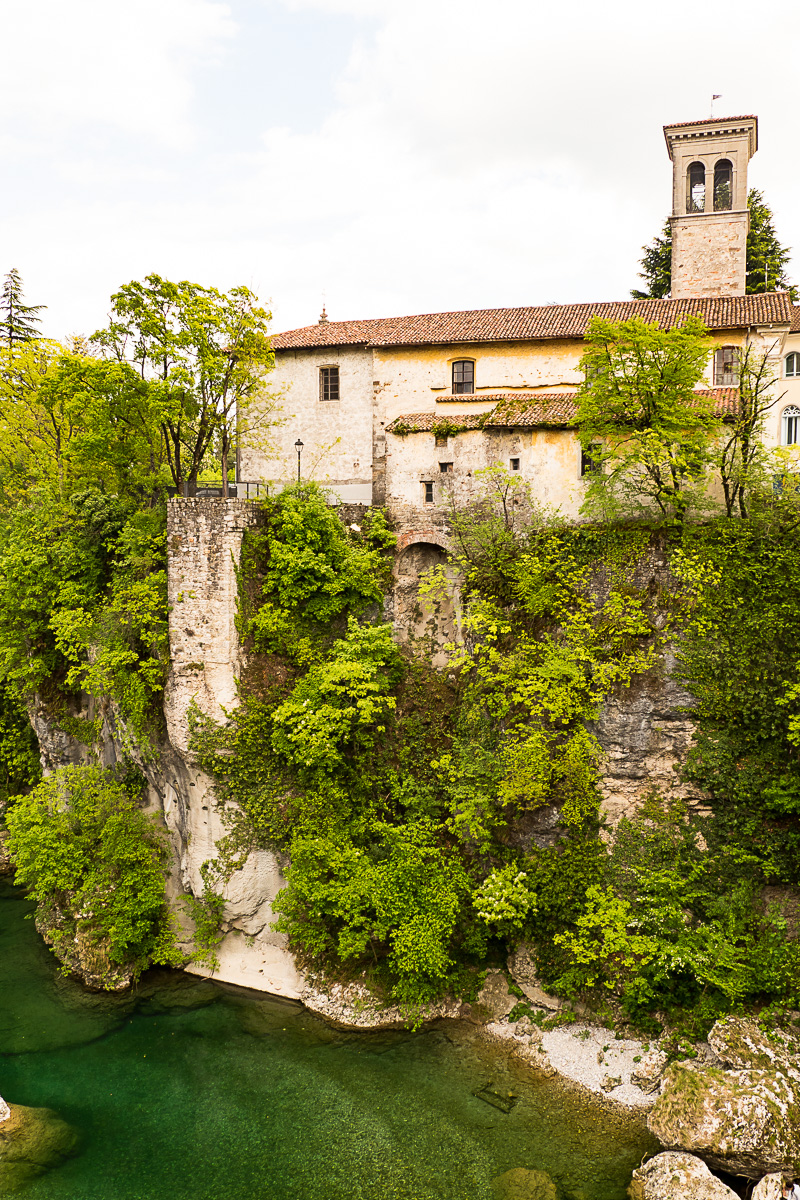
x=209, y=489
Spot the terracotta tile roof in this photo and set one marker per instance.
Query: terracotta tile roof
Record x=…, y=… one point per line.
x=795, y=326
x=513, y=411
x=709, y=120
x=532, y=324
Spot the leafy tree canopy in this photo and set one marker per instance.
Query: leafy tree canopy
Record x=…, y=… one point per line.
x=206, y=353
x=647, y=429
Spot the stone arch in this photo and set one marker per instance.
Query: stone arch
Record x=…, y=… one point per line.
x=425, y=624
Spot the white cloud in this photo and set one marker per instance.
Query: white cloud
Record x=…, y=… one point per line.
x=90, y=63
x=470, y=156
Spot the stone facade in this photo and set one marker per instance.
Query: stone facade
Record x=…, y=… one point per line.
x=710, y=222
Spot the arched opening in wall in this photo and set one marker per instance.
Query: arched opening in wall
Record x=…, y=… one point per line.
x=696, y=188
x=723, y=185
x=426, y=623
x=790, y=426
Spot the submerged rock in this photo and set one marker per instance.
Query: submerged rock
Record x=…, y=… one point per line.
x=523, y=1184
x=743, y=1122
x=677, y=1176
x=32, y=1141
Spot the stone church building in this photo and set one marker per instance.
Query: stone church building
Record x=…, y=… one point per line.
x=390, y=410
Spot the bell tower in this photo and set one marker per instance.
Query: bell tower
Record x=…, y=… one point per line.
x=709, y=218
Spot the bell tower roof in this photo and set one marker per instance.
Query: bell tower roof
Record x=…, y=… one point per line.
x=686, y=133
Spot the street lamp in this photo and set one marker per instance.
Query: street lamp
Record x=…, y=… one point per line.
x=299, y=448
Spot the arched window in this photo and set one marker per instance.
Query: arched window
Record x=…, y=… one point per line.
x=792, y=368
x=696, y=188
x=790, y=426
x=723, y=185
x=463, y=376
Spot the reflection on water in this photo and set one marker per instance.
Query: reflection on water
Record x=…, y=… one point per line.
x=193, y=1091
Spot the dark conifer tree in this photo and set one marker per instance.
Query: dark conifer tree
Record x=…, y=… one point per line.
x=766, y=257
x=18, y=321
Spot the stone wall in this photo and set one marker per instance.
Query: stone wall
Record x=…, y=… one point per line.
x=205, y=541
x=709, y=253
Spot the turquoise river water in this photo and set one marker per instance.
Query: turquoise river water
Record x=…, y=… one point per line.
x=194, y=1091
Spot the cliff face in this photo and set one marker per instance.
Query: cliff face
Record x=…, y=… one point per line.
x=643, y=731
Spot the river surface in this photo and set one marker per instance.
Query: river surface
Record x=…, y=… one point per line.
x=195, y=1091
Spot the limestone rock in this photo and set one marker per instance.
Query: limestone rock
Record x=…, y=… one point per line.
x=677, y=1176
x=740, y=1043
x=522, y=965
x=522, y=1184
x=81, y=951
x=5, y=1111
x=32, y=1140
x=770, y=1188
x=494, y=1001
x=743, y=1122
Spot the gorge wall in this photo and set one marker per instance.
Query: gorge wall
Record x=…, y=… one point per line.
x=644, y=731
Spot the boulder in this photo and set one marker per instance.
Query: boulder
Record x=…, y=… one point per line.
x=32, y=1140
x=78, y=946
x=494, y=1001
x=743, y=1122
x=770, y=1188
x=677, y=1176
x=523, y=1184
x=740, y=1043
x=522, y=966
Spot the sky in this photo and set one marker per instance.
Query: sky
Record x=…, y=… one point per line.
x=382, y=157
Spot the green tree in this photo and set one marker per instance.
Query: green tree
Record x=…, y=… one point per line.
x=86, y=851
x=656, y=267
x=18, y=321
x=206, y=351
x=767, y=259
x=639, y=417
x=741, y=457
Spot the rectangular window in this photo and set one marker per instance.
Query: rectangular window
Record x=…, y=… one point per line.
x=329, y=383
x=463, y=377
x=427, y=490
x=441, y=440
x=514, y=464
x=726, y=366
x=590, y=459
x=445, y=468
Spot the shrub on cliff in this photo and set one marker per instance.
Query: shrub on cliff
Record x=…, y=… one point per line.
x=86, y=851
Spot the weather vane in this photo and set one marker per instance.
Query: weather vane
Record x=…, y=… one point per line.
x=717, y=96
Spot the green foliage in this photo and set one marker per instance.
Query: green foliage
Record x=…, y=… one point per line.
x=342, y=704
x=767, y=259
x=204, y=354
x=639, y=406
x=20, y=768
x=400, y=897
x=503, y=899
x=83, y=604
x=656, y=267
x=80, y=842
x=305, y=570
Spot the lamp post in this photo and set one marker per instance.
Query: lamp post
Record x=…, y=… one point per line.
x=299, y=448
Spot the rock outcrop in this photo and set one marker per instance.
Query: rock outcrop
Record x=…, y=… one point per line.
x=677, y=1176
x=743, y=1122
x=82, y=952
x=769, y=1188
x=32, y=1141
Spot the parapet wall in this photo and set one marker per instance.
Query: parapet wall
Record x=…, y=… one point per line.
x=204, y=540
